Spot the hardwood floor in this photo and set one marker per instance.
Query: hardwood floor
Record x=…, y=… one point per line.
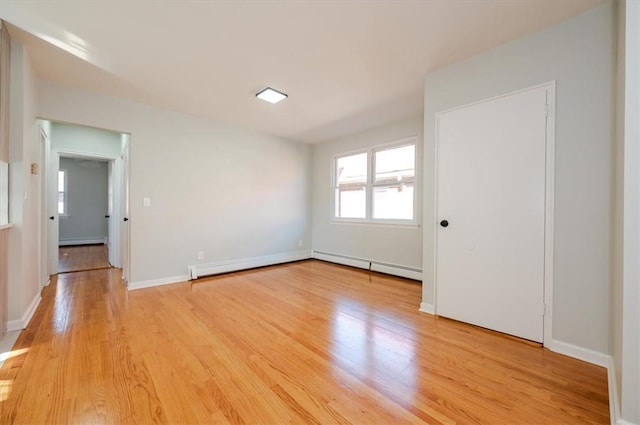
x=82, y=257
x=306, y=342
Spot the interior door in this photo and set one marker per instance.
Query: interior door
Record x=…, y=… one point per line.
x=491, y=213
x=125, y=231
x=110, y=213
x=52, y=213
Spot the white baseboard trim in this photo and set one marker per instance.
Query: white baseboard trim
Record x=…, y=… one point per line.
x=580, y=353
x=18, y=325
x=200, y=270
x=93, y=241
x=373, y=265
x=614, y=403
x=157, y=282
x=428, y=308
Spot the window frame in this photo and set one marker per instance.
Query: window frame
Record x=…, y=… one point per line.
x=65, y=192
x=370, y=184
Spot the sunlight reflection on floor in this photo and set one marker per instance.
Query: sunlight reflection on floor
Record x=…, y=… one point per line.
x=374, y=346
x=5, y=388
x=10, y=354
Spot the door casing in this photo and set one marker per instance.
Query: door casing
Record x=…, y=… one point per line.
x=118, y=229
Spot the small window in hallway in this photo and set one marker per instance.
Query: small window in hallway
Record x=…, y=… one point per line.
x=62, y=192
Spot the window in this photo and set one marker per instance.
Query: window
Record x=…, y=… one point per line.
x=4, y=193
x=383, y=190
x=62, y=192
x=351, y=188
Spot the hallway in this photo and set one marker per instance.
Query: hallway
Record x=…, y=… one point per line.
x=83, y=257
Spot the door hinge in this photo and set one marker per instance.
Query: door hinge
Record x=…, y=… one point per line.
x=546, y=111
x=544, y=308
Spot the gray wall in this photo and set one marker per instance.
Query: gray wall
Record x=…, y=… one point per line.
x=579, y=55
x=401, y=245
x=231, y=192
x=87, y=187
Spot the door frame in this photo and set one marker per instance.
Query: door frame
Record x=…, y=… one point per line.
x=120, y=187
x=547, y=306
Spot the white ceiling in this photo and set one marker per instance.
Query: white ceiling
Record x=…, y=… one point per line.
x=346, y=65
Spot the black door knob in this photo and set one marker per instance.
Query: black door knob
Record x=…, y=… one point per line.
x=126, y=219
x=444, y=223
x=52, y=218
x=107, y=216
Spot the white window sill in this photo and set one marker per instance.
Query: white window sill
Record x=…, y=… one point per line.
x=6, y=226
x=412, y=225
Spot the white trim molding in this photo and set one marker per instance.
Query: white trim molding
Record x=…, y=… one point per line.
x=200, y=270
x=614, y=400
x=428, y=308
x=157, y=282
x=598, y=359
x=23, y=322
x=580, y=353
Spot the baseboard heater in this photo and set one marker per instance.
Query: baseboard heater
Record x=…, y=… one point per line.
x=85, y=241
x=376, y=266
x=202, y=270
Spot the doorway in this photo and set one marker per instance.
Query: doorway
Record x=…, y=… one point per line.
x=83, y=225
x=494, y=213
x=99, y=239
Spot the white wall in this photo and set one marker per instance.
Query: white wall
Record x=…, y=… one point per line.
x=25, y=192
x=397, y=245
x=579, y=55
x=228, y=191
x=86, y=201
x=625, y=332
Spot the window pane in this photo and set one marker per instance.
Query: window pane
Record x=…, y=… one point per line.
x=393, y=201
x=351, y=169
x=61, y=181
x=60, y=203
x=351, y=179
x=395, y=165
x=351, y=202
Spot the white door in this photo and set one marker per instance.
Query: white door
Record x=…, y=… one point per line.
x=491, y=198
x=52, y=213
x=125, y=240
x=109, y=216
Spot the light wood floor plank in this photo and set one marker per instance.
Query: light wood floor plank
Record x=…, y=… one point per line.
x=75, y=258
x=307, y=343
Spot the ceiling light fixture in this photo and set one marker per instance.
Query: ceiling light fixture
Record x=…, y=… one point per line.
x=271, y=95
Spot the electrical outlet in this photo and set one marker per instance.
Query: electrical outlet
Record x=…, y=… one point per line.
x=200, y=255
x=146, y=202
x=300, y=242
